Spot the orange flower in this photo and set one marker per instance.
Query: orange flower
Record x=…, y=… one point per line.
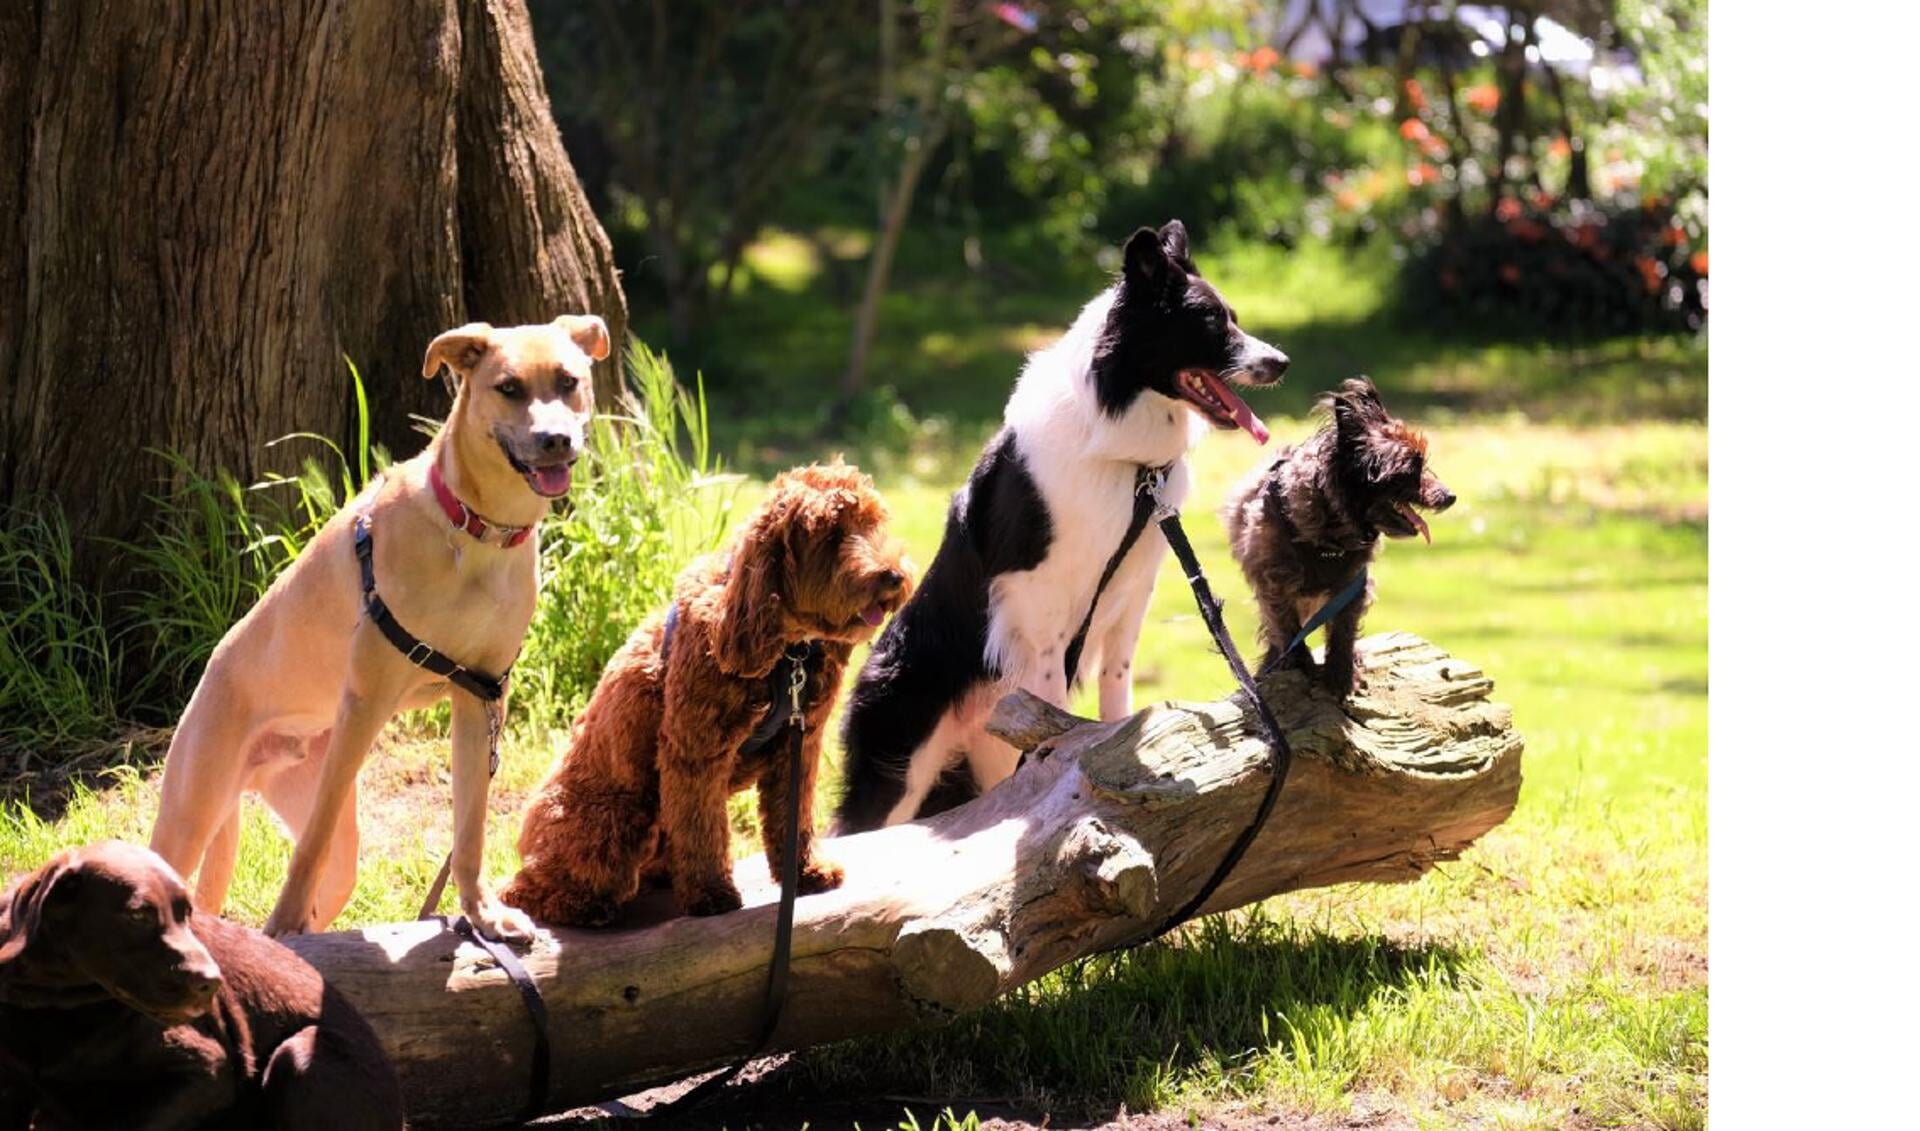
x=1241, y=59
x=1527, y=231
x=1699, y=263
x=1265, y=59
x=1560, y=147
x=1507, y=209
x=1673, y=235
x=1413, y=129
x=1422, y=174
x=1306, y=68
x=1434, y=147
x=1542, y=199
x=1485, y=98
x=1651, y=272
x=1510, y=274
x=1346, y=200
x=1416, y=97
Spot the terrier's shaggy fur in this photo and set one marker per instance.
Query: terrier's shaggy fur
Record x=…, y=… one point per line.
x=641, y=796
x=1305, y=525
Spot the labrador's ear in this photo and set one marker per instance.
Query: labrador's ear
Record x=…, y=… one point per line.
x=588, y=332
x=459, y=349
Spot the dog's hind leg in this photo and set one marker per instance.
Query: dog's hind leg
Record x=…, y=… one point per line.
x=206, y=767
x=929, y=761
x=216, y=867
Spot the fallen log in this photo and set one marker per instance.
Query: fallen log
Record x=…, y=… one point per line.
x=1107, y=829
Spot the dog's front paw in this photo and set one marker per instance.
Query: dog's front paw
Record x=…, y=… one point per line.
x=714, y=899
x=285, y=920
x=820, y=875
x=497, y=921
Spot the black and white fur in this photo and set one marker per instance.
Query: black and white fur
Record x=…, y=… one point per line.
x=1135, y=381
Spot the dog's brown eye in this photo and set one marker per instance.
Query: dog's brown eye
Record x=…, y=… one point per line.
x=566, y=383
x=511, y=389
x=183, y=909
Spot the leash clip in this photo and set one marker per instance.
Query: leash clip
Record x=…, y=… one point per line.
x=1153, y=484
x=797, y=687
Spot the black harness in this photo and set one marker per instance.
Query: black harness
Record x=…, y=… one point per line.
x=1147, y=481
x=480, y=685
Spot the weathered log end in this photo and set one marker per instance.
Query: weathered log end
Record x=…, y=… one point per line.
x=1104, y=832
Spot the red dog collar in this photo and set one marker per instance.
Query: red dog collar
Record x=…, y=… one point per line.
x=466, y=518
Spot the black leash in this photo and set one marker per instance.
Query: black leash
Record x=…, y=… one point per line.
x=1148, y=483
x=787, y=712
x=1281, y=750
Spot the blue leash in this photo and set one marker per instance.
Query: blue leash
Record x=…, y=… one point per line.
x=1330, y=610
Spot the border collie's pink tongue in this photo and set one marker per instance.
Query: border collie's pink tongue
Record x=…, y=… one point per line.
x=552, y=482
x=1242, y=415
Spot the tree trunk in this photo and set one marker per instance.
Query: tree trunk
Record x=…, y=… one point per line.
x=204, y=206
x=866, y=321
x=929, y=93
x=1106, y=830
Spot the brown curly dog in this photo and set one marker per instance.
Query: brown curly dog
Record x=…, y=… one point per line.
x=640, y=797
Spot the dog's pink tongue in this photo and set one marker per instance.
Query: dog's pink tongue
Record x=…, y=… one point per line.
x=1242, y=415
x=874, y=616
x=553, y=481
x=1419, y=522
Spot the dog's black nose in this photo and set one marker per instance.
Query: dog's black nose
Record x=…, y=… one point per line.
x=893, y=579
x=552, y=443
x=1447, y=499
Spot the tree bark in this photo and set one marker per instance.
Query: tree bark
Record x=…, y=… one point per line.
x=1106, y=830
x=204, y=206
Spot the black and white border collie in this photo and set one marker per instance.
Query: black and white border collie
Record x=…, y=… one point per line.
x=1137, y=381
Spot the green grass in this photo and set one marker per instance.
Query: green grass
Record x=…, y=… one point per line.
x=1558, y=970
x=1554, y=976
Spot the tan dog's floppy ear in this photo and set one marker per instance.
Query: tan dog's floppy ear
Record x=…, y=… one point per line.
x=588, y=332
x=460, y=348
x=747, y=641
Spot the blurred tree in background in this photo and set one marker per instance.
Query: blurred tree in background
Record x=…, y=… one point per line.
x=1539, y=166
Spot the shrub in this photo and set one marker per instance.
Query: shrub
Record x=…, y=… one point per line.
x=1543, y=266
x=74, y=672
x=58, y=667
x=640, y=510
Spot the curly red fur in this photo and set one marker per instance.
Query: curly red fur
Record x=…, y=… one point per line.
x=640, y=796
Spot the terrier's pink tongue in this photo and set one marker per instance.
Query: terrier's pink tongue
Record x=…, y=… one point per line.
x=874, y=616
x=553, y=481
x=1419, y=522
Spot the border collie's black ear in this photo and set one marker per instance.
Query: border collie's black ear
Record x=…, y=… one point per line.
x=1173, y=237
x=1146, y=259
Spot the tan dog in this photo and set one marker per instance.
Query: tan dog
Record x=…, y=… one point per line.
x=297, y=691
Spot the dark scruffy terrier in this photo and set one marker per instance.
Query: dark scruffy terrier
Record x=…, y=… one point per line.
x=120, y=1007
x=1306, y=525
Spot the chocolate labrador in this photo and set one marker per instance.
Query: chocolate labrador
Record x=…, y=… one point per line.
x=119, y=1007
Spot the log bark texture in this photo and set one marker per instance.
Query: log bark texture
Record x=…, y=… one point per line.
x=1106, y=830
x=204, y=206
